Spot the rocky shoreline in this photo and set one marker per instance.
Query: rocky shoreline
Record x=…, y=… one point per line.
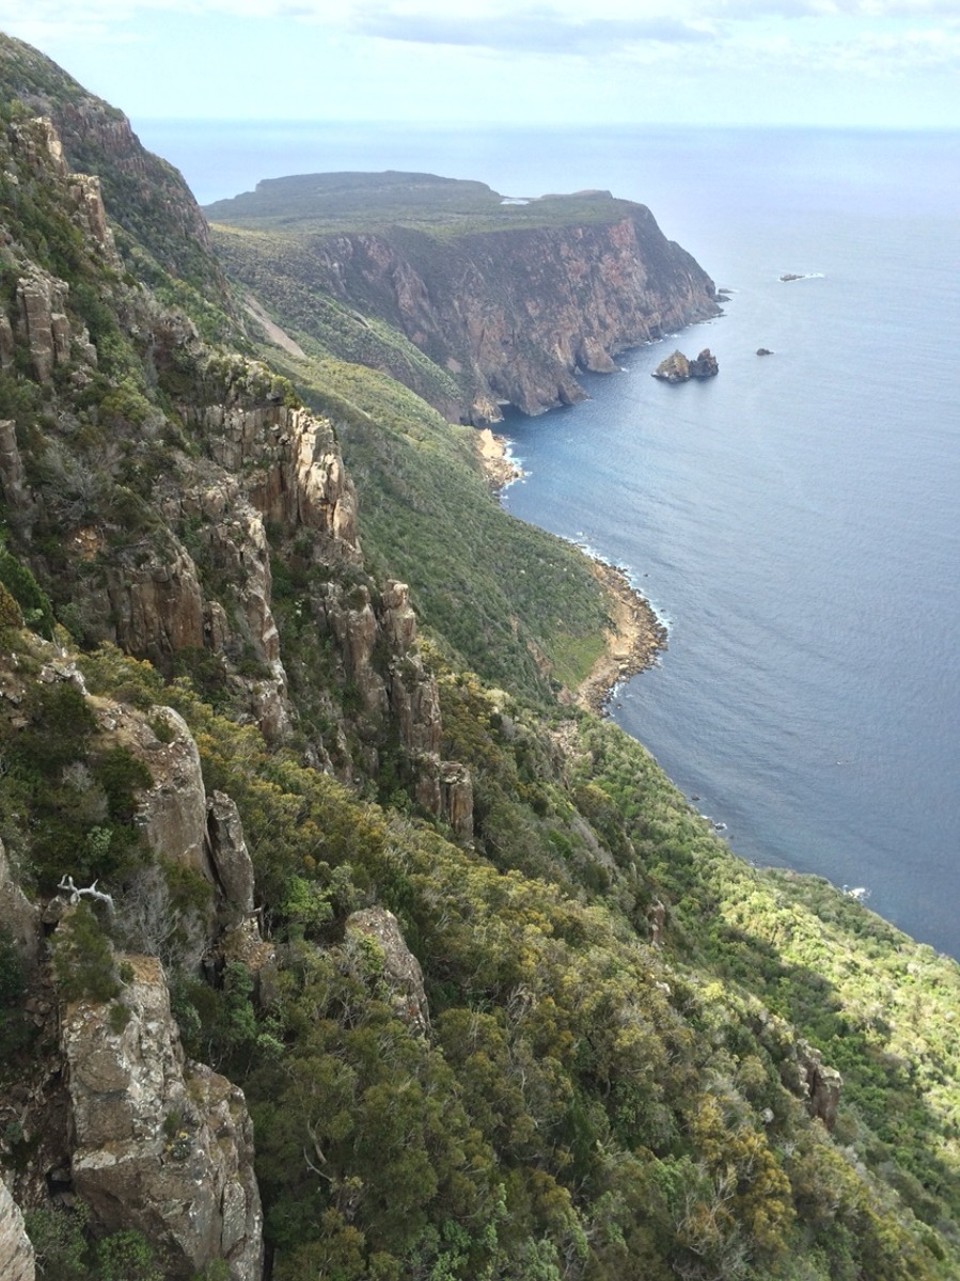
x=636, y=635
x=495, y=459
x=633, y=642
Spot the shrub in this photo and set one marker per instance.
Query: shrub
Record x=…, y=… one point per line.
x=83, y=958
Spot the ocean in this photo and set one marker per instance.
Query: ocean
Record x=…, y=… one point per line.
x=796, y=520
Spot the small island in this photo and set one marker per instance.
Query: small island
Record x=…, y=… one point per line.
x=679, y=369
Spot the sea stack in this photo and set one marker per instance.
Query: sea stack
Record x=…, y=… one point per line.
x=679, y=369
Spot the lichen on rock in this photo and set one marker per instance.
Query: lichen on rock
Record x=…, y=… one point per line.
x=161, y=1145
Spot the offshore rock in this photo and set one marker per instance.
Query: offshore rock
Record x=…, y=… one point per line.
x=705, y=365
x=17, y=1262
x=161, y=1146
x=401, y=970
x=676, y=368
x=673, y=369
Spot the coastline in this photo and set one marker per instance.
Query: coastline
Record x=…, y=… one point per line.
x=636, y=635
x=633, y=641
x=494, y=454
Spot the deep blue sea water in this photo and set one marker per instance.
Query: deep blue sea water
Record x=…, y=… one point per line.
x=797, y=519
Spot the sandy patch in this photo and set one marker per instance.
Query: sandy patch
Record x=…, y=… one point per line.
x=500, y=468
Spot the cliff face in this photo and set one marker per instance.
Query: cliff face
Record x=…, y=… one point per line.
x=153, y=520
x=515, y=315
x=160, y=1145
x=509, y=313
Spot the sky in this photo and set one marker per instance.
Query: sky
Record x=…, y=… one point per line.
x=850, y=63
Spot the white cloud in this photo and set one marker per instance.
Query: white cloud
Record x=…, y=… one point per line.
x=558, y=25
x=534, y=31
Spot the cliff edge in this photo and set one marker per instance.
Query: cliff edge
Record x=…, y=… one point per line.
x=508, y=301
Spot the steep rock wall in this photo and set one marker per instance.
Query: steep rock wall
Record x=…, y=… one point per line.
x=514, y=315
x=160, y=1144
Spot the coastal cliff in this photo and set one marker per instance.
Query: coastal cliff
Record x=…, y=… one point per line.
x=335, y=940
x=508, y=301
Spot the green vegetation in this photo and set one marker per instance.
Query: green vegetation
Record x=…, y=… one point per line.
x=618, y=1081
x=518, y=605
x=587, y=1099
x=64, y=1252
x=74, y=794
x=328, y=203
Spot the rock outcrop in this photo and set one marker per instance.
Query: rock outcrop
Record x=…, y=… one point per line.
x=399, y=969
x=17, y=1261
x=18, y=915
x=161, y=1145
x=173, y=813
x=820, y=1086
x=229, y=855
x=44, y=326
x=677, y=368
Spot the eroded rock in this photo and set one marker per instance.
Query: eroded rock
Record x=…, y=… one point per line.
x=17, y=1260
x=173, y=814
x=19, y=916
x=228, y=852
x=819, y=1085
x=161, y=1145
x=456, y=799
x=40, y=300
x=677, y=368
